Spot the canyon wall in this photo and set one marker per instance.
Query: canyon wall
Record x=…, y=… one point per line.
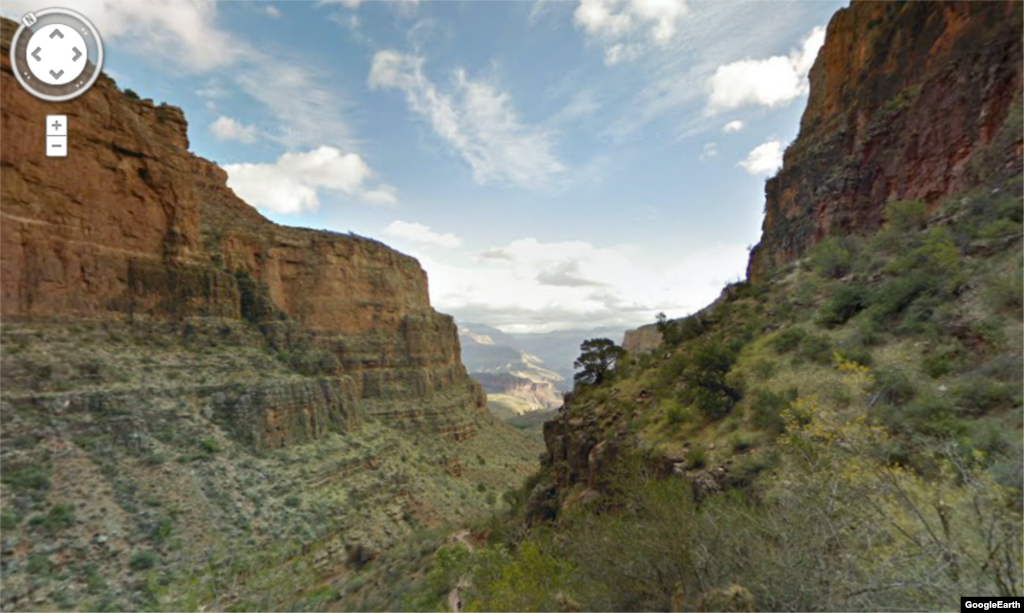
x=131, y=226
x=908, y=101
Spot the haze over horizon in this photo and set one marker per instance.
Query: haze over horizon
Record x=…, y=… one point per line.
x=520, y=150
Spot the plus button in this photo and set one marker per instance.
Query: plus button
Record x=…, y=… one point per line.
x=56, y=125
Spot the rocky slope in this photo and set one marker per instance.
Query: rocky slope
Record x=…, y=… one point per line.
x=908, y=101
x=188, y=386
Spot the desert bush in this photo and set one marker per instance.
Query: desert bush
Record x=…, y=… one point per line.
x=142, y=560
x=976, y=394
x=787, y=340
x=696, y=457
x=941, y=360
x=832, y=258
x=992, y=331
x=763, y=369
x=894, y=387
x=1004, y=293
x=767, y=407
x=906, y=215
x=675, y=414
x=707, y=385
x=32, y=478
x=817, y=349
x=932, y=416
x=57, y=519
x=847, y=300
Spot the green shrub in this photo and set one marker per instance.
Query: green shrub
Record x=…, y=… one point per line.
x=763, y=369
x=161, y=531
x=1005, y=292
x=677, y=331
x=860, y=355
x=38, y=565
x=832, y=258
x=293, y=502
x=942, y=360
x=976, y=394
x=28, y=478
x=848, y=300
x=987, y=436
x=767, y=406
x=209, y=445
x=894, y=387
x=142, y=560
x=131, y=94
x=675, y=414
x=787, y=340
x=9, y=521
x=57, y=519
x=906, y=215
x=931, y=416
x=743, y=441
x=817, y=349
x=707, y=385
x=696, y=457
x=895, y=294
x=991, y=331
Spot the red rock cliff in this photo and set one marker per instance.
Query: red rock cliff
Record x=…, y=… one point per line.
x=909, y=100
x=133, y=226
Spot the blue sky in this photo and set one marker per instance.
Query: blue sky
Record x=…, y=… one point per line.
x=552, y=164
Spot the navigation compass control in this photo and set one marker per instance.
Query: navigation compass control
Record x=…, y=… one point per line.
x=56, y=54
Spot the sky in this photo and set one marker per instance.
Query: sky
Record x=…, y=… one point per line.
x=552, y=165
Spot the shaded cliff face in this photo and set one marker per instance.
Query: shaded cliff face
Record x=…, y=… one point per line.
x=131, y=226
x=908, y=101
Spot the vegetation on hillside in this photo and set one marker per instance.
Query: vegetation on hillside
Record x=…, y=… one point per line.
x=860, y=411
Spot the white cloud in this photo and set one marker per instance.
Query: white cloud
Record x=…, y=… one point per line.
x=771, y=82
x=308, y=112
x=405, y=8
x=733, y=126
x=383, y=195
x=628, y=27
x=475, y=119
x=272, y=11
x=765, y=159
x=708, y=151
x=291, y=184
x=189, y=27
x=540, y=286
x=226, y=128
x=421, y=234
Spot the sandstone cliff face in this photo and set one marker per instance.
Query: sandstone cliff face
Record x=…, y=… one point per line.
x=913, y=100
x=132, y=226
x=642, y=339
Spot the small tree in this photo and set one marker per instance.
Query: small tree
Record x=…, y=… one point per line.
x=707, y=385
x=598, y=358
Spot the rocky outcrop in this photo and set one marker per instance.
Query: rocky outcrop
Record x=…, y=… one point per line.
x=908, y=101
x=131, y=226
x=643, y=339
x=583, y=443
